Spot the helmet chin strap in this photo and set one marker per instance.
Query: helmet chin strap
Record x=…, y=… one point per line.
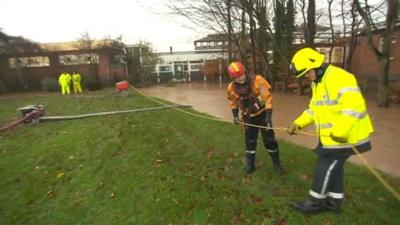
x=320, y=72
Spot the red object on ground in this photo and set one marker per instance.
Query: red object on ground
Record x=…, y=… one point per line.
x=122, y=86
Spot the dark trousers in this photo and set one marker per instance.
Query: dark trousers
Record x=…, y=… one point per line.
x=268, y=135
x=329, y=176
x=329, y=171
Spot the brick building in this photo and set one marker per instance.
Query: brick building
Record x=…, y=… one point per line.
x=365, y=65
x=24, y=64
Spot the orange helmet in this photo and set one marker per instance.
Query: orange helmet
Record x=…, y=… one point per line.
x=236, y=69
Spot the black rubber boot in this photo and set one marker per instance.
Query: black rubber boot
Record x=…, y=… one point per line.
x=311, y=206
x=276, y=162
x=251, y=158
x=333, y=204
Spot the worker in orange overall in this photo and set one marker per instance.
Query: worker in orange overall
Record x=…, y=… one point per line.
x=250, y=94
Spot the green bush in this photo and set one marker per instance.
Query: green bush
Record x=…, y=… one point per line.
x=3, y=89
x=50, y=84
x=92, y=84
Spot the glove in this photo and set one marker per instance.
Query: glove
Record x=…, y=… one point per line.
x=235, y=113
x=338, y=139
x=236, y=120
x=254, y=107
x=292, y=130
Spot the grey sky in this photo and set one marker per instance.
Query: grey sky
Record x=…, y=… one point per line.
x=61, y=20
x=57, y=21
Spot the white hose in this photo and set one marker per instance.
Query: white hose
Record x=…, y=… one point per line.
x=108, y=113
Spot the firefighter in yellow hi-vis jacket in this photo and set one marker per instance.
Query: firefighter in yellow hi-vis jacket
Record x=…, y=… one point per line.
x=76, y=80
x=251, y=95
x=64, y=83
x=338, y=110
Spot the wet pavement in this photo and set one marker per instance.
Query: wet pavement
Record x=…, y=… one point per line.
x=211, y=98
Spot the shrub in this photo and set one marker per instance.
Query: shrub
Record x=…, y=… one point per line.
x=50, y=84
x=3, y=89
x=92, y=84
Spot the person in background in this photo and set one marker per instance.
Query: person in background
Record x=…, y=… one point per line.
x=338, y=110
x=251, y=95
x=68, y=79
x=76, y=81
x=64, y=84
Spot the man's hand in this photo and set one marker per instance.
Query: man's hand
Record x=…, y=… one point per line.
x=292, y=130
x=254, y=107
x=236, y=120
x=338, y=139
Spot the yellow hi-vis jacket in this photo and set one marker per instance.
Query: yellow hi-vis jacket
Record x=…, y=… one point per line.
x=259, y=90
x=76, y=77
x=337, y=108
x=62, y=79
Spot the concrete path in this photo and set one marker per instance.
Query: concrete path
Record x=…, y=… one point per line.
x=211, y=99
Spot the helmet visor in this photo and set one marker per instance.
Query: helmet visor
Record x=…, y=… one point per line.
x=297, y=73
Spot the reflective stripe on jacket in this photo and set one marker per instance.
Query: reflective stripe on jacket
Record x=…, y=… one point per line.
x=259, y=90
x=337, y=107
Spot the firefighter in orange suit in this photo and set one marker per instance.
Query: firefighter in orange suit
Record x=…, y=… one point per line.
x=339, y=113
x=251, y=95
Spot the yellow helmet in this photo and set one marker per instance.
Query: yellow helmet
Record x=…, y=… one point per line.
x=306, y=59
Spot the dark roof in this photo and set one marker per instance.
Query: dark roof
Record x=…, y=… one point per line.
x=318, y=28
x=213, y=37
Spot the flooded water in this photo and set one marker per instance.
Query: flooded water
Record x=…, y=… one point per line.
x=211, y=98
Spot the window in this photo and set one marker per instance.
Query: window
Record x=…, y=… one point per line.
x=165, y=69
x=337, y=55
x=381, y=40
x=195, y=67
x=78, y=59
x=34, y=61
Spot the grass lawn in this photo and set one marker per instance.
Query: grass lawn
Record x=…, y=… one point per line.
x=161, y=167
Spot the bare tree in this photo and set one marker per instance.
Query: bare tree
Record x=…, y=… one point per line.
x=310, y=30
x=141, y=61
x=384, y=54
x=332, y=29
x=84, y=42
x=245, y=22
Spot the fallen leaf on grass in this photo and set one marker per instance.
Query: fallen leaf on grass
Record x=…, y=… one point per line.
x=381, y=199
x=50, y=193
x=304, y=177
x=280, y=222
x=59, y=175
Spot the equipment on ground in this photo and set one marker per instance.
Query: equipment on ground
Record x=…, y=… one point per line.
x=31, y=113
x=122, y=87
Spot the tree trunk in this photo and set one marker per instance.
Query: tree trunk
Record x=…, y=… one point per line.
x=228, y=6
x=383, y=89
